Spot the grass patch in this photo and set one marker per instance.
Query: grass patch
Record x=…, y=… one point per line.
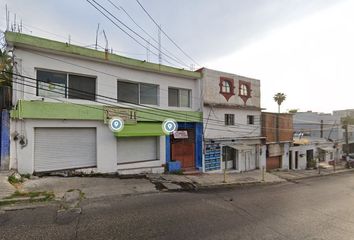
x=13, y=180
x=32, y=195
x=28, y=176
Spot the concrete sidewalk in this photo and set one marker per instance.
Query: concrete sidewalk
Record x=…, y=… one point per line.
x=302, y=174
x=6, y=189
x=212, y=180
x=92, y=187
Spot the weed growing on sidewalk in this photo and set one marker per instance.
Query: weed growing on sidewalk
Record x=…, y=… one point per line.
x=32, y=195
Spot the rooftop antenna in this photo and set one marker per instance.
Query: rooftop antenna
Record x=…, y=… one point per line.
x=7, y=18
x=192, y=67
x=98, y=28
x=106, y=48
x=105, y=37
x=14, y=23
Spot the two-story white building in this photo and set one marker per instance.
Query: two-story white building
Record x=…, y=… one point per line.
x=65, y=95
x=232, y=125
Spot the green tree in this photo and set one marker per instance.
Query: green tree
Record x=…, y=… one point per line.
x=295, y=110
x=5, y=68
x=279, y=98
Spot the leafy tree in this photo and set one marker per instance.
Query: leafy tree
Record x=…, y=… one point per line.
x=279, y=98
x=5, y=68
x=295, y=110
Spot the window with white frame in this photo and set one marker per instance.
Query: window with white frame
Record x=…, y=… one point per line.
x=54, y=84
x=137, y=93
x=178, y=97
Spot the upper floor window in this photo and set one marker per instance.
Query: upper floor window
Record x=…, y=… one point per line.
x=226, y=87
x=178, y=97
x=63, y=85
x=244, y=90
x=250, y=119
x=229, y=119
x=138, y=93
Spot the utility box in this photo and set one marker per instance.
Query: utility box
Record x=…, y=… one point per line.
x=174, y=166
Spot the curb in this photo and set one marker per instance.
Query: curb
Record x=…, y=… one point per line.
x=238, y=184
x=25, y=205
x=315, y=176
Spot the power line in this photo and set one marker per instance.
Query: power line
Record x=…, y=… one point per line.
x=240, y=130
x=92, y=107
x=142, y=29
x=104, y=9
x=174, y=114
x=174, y=43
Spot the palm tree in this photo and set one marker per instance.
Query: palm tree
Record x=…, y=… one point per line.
x=5, y=68
x=279, y=98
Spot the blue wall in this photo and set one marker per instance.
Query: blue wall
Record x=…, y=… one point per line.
x=4, y=138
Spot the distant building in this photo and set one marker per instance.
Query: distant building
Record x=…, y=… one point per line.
x=317, y=136
x=318, y=125
x=343, y=115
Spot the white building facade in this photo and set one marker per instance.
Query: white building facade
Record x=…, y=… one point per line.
x=64, y=97
x=232, y=131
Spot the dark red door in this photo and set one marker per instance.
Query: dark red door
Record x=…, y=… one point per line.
x=183, y=150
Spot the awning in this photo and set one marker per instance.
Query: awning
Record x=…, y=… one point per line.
x=326, y=149
x=302, y=141
x=240, y=147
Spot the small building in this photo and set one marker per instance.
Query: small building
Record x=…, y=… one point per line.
x=346, y=118
x=232, y=128
x=277, y=128
x=64, y=97
x=320, y=134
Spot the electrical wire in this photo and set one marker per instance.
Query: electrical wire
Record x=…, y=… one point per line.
x=142, y=29
x=174, y=43
x=158, y=114
x=130, y=105
x=105, y=15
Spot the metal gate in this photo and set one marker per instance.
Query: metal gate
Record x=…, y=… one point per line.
x=64, y=148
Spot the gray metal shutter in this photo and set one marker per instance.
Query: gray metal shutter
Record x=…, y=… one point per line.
x=64, y=148
x=137, y=149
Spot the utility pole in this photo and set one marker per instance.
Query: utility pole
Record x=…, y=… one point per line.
x=346, y=137
x=321, y=128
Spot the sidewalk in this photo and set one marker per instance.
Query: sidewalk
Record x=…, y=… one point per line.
x=92, y=187
x=6, y=189
x=301, y=174
x=212, y=180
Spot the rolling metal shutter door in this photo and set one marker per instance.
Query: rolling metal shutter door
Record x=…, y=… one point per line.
x=64, y=148
x=137, y=149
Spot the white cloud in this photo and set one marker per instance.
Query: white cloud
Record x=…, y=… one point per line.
x=309, y=60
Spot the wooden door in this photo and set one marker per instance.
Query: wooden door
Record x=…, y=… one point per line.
x=183, y=149
x=273, y=162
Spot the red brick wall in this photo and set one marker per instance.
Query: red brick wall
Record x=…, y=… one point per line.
x=270, y=130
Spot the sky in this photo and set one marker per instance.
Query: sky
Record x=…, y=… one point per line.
x=303, y=48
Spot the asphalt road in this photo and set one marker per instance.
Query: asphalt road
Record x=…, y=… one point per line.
x=318, y=208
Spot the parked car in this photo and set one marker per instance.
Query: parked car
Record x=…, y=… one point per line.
x=350, y=161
